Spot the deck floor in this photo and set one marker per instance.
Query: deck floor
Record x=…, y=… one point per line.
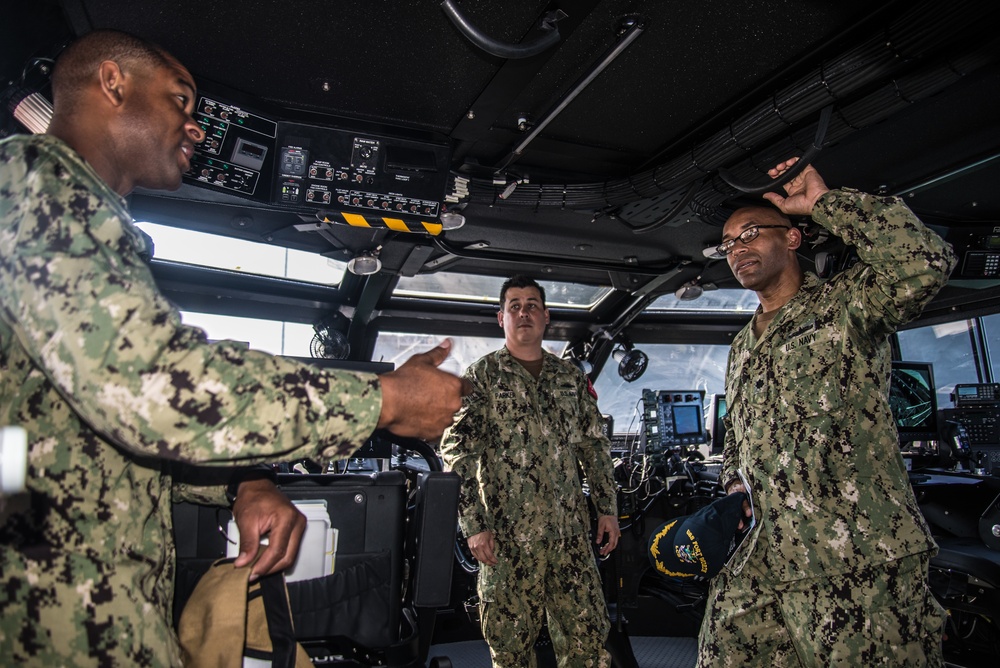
x=650, y=652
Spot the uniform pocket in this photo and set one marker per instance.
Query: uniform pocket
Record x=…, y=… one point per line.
x=808, y=368
x=566, y=406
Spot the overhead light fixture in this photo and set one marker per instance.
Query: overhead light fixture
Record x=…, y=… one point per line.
x=451, y=221
x=365, y=263
x=689, y=291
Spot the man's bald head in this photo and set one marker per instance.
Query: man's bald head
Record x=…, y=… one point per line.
x=77, y=66
x=763, y=215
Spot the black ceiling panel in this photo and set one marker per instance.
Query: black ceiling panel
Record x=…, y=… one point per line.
x=624, y=185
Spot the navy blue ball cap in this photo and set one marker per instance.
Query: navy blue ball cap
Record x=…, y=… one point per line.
x=698, y=545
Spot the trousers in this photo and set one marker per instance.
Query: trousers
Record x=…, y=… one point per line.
x=880, y=615
x=550, y=581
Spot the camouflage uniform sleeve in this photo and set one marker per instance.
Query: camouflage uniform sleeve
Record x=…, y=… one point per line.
x=595, y=456
x=907, y=263
x=462, y=449
x=87, y=310
x=208, y=485
x=206, y=495
x=199, y=484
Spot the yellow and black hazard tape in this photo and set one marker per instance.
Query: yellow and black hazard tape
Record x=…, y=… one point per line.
x=382, y=222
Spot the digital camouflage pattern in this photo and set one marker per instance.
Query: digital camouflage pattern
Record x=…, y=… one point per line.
x=515, y=614
x=516, y=443
x=809, y=411
x=112, y=388
x=809, y=417
x=880, y=615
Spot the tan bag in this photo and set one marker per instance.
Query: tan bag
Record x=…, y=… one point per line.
x=230, y=623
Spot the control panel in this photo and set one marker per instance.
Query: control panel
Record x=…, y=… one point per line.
x=343, y=171
x=623, y=444
x=986, y=459
x=980, y=427
x=235, y=149
x=363, y=177
x=979, y=253
x=981, y=423
x=983, y=394
x=672, y=418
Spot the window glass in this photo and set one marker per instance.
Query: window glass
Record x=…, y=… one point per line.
x=740, y=301
x=397, y=347
x=211, y=250
x=671, y=367
x=991, y=332
x=949, y=348
x=270, y=336
x=468, y=287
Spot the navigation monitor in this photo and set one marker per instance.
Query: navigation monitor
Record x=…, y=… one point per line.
x=913, y=401
x=673, y=418
x=687, y=420
x=718, y=426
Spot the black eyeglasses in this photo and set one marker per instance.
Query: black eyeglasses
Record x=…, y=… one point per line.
x=746, y=236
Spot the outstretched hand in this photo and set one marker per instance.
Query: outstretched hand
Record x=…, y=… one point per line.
x=802, y=192
x=418, y=399
x=262, y=509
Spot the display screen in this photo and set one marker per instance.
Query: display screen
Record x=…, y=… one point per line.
x=687, y=420
x=913, y=400
x=253, y=150
x=718, y=426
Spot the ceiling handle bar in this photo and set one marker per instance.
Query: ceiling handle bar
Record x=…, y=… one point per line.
x=502, y=49
x=536, y=259
x=804, y=161
x=631, y=30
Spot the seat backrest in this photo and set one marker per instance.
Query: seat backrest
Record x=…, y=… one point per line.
x=368, y=513
x=362, y=599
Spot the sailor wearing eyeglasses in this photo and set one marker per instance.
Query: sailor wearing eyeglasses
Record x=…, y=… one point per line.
x=836, y=571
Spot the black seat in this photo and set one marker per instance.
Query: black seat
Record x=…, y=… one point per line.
x=372, y=610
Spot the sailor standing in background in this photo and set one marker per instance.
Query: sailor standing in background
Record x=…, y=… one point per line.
x=516, y=443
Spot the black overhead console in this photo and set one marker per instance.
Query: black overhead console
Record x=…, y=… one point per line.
x=365, y=179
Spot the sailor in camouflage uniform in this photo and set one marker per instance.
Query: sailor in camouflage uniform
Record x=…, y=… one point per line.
x=115, y=392
x=517, y=443
x=835, y=573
